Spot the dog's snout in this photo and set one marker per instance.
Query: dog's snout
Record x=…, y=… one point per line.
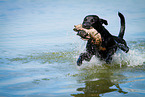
x=86, y=25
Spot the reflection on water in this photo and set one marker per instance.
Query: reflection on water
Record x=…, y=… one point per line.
x=102, y=80
x=99, y=82
x=97, y=88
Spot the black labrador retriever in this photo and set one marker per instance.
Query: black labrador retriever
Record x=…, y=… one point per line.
x=110, y=42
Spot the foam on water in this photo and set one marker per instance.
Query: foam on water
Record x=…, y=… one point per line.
x=134, y=57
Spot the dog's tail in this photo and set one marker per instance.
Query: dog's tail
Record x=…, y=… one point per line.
x=122, y=29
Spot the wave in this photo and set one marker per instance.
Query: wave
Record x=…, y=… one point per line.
x=46, y=57
x=134, y=57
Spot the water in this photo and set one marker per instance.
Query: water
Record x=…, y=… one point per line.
x=39, y=49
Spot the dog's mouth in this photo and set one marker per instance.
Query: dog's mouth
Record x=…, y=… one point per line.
x=87, y=25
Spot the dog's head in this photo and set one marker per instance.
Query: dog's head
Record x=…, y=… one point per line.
x=90, y=20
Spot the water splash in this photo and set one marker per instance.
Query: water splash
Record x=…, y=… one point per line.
x=132, y=58
x=135, y=56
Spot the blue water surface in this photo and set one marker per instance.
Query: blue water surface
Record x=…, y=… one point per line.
x=39, y=49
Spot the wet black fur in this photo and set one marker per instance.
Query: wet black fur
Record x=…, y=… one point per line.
x=110, y=42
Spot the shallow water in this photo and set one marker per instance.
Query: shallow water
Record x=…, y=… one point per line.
x=39, y=50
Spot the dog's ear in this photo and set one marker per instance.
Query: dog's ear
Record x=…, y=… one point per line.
x=104, y=21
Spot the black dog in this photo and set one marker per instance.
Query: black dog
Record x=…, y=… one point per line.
x=110, y=42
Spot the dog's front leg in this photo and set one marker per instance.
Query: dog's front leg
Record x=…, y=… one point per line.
x=84, y=56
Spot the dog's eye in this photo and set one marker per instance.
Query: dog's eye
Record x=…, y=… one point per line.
x=92, y=20
x=85, y=19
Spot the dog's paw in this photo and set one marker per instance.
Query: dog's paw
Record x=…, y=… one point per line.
x=79, y=62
